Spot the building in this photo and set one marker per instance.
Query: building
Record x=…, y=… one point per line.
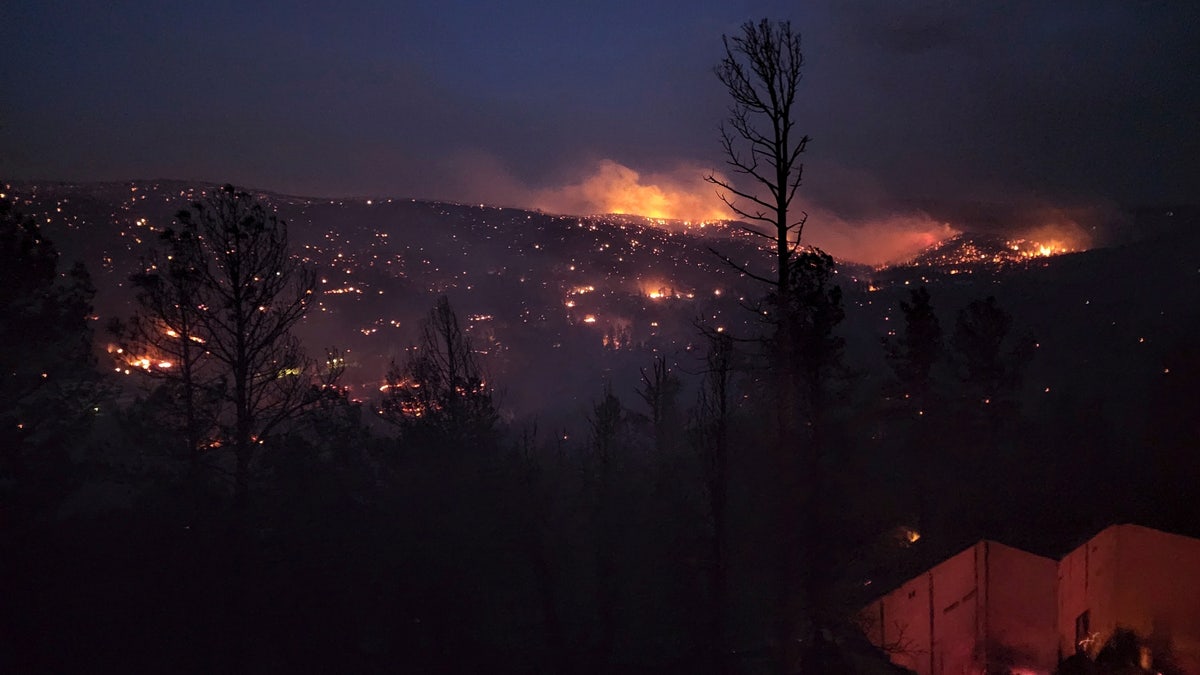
x=1132, y=577
x=996, y=609
x=987, y=609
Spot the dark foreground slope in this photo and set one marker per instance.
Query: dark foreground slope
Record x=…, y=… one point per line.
x=362, y=551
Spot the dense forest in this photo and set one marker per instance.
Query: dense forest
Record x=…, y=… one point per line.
x=236, y=511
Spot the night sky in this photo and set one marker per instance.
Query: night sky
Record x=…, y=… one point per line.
x=919, y=111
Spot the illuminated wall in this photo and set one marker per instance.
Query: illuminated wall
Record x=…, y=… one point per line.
x=1132, y=577
x=989, y=607
x=1021, y=612
x=996, y=608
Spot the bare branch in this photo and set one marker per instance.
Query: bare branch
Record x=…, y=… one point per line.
x=744, y=195
x=740, y=268
x=761, y=71
x=751, y=230
x=759, y=216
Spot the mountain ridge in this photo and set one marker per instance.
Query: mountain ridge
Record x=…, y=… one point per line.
x=563, y=303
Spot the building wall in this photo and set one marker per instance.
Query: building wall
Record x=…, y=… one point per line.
x=1000, y=607
x=956, y=607
x=899, y=622
x=1134, y=577
x=1086, y=581
x=1020, y=621
x=935, y=624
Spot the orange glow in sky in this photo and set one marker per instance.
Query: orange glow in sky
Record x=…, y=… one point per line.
x=682, y=194
x=611, y=187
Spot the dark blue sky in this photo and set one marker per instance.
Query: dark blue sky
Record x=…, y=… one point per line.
x=909, y=103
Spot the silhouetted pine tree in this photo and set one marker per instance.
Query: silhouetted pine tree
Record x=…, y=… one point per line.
x=440, y=394
x=227, y=282
x=912, y=358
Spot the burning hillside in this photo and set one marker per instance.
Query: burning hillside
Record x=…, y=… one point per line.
x=973, y=252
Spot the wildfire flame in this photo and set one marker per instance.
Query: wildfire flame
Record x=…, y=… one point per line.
x=884, y=236
x=1052, y=239
x=612, y=187
x=661, y=290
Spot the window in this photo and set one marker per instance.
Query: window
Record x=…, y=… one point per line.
x=1083, y=631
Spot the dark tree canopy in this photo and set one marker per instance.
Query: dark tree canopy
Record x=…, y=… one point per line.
x=914, y=354
x=217, y=305
x=441, y=387
x=47, y=377
x=814, y=312
x=990, y=360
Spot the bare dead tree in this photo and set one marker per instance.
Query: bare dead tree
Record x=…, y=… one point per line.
x=761, y=71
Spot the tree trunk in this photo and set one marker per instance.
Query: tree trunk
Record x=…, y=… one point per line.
x=548, y=598
x=791, y=488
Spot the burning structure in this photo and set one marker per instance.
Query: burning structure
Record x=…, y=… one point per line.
x=995, y=608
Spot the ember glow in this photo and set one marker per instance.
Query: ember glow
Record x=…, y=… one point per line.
x=663, y=290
